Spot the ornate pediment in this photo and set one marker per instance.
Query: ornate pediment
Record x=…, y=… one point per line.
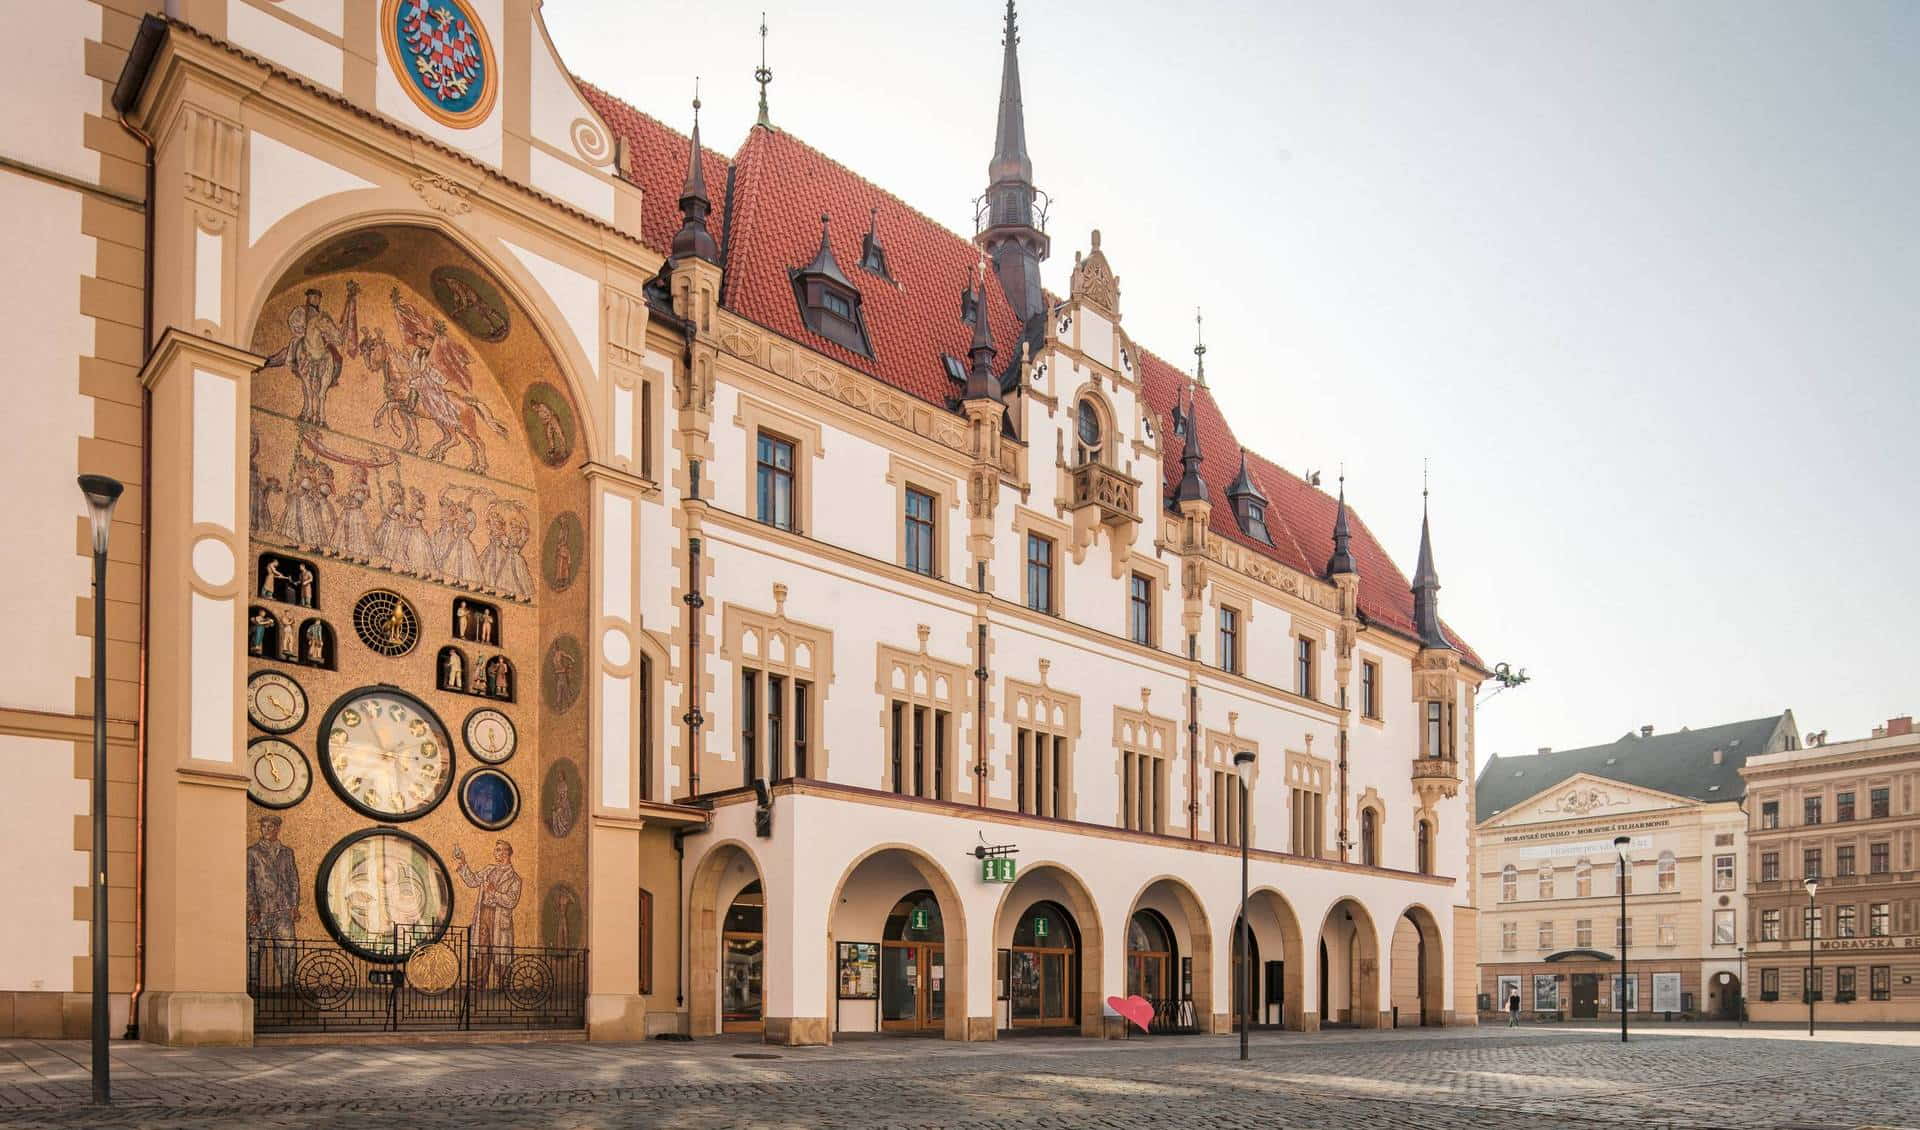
x=1093, y=280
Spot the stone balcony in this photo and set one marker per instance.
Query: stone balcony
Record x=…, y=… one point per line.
x=1435, y=778
x=1113, y=495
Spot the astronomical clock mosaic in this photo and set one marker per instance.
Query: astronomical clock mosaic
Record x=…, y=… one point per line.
x=413, y=632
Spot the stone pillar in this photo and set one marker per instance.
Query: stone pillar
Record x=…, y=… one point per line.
x=196, y=990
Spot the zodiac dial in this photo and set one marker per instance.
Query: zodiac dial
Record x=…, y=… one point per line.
x=386, y=753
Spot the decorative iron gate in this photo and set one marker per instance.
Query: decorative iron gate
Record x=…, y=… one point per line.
x=1174, y=1017
x=446, y=984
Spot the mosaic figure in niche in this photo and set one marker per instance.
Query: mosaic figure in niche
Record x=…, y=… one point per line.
x=499, y=886
x=271, y=581
x=431, y=383
x=313, y=352
x=471, y=302
x=273, y=894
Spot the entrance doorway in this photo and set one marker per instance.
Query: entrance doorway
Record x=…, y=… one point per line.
x=743, y=962
x=1043, y=969
x=1586, y=996
x=913, y=966
x=1239, y=977
x=1730, y=997
x=1152, y=958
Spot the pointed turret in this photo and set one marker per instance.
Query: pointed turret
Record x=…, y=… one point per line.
x=1426, y=589
x=824, y=264
x=1192, y=487
x=1012, y=236
x=982, y=384
x=1243, y=486
x=1342, y=560
x=693, y=238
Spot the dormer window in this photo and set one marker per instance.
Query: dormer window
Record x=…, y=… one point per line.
x=873, y=257
x=1253, y=521
x=1249, y=505
x=829, y=303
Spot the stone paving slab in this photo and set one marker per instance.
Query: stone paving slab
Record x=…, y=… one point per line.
x=1523, y=1079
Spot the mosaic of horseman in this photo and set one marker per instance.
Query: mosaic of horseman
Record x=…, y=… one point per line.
x=313, y=351
x=428, y=379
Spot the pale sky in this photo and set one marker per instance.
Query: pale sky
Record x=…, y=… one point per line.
x=1639, y=278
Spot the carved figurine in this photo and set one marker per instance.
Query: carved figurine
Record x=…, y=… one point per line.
x=502, y=677
x=486, y=625
x=270, y=584
x=316, y=643
x=460, y=617
x=289, y=640
x=260, y=622
x=306, y=586
x=452, y=677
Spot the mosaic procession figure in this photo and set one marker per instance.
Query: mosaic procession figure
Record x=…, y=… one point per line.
x=313, y=352
x=354, y=538
x=499, y=886
x=393, y=523
x=273, y=895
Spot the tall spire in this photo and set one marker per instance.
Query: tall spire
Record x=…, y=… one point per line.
x=1342, y=559
x=1192, y=486
x=1426, y=587
x=763, y=74
x=1012, y=234
x=981, y=383
x=1199, y=350
x=693, y=238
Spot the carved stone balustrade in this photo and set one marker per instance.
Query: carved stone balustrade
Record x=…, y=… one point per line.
x=1435, y=778
x=1116, y=496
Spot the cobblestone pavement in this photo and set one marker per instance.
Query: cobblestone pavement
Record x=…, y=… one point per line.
x=1527, y=1080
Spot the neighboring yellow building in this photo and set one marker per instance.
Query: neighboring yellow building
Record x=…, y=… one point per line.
x=1843, y=815
x=1549, y=873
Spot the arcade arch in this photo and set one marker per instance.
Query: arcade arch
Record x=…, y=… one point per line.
x=1170, y=953
x=1417, y=970
x=1279, y=968
x=898, y=943
x=1349, y=969
x=726, y=960
x=1049, y=954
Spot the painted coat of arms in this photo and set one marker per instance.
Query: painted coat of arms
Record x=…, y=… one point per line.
x=443, y=58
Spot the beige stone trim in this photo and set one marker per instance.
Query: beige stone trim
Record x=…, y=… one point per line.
x=1026, y=521
x=1217, y=750
x=773, y=644
x=754, y=416
x=1144, y=734
x=1043, y=709
x=917, y=679
x=903, y=472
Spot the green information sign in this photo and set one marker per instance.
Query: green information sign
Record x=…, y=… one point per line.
x=919, y=918
x=997, y=869
x=1039, y=926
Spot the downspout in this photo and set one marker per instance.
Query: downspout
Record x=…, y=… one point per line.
x=1343, y=789
x=980, y=695
x=693, y=718
x=1193, y=740
x=126, y=93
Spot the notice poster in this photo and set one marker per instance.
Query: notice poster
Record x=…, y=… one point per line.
x=1546, y=993
x=1633, y=993
x=859, y=971
x=1666, y=992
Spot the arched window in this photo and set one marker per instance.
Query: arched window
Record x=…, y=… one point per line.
x=1509, y=879
x=1545, y=880
x=1089, y=433
x=1369, y=838
x=1664, y=873
x=1583, y=878
x=1423, y=850
x=1151, y=957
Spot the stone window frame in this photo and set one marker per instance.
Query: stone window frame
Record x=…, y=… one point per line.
x=1583, y=878
x=1509, y=935
x=1378, y=717
x=893, y=666
x=1306, y=661
x=904, y=473
x=1510, y=883
x=1667, y=930
x=753, y=415
x=1370, y=801
x=1219, y=747
x=1161, y=746
x=1543, y=934
x=1312, y=776
x=1583, y=933
x=743, y=651
x=1219, y=595
x=1033, y=706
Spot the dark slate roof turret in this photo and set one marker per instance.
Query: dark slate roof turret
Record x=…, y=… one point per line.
x=1192, y=487
x=982, y=384
x=1426, y=589
x=693, y=238
x=1342, y=560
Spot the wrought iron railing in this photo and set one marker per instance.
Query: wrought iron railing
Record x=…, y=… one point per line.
x=1174, y=1017
x=446, y=983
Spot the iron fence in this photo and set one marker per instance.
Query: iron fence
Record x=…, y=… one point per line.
x=1174, y=1017
x=445, y=983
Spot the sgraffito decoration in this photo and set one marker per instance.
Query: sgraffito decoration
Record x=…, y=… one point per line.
x=440, y=52
x=549, y=424
x=561, y=795
x=561, y=549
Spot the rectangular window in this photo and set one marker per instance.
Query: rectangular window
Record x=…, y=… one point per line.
x=1229, y=652
x=1143, y=792
x=919, y=520
x=1879, y=858
x=917, y=749
x=1843, y=981
x=1140, y=609
x=1812, y=922
x=1582, y=879
x=646, y=942
x=1723, y=839
x=1879, y=802
x=1879, y=920
x=775, y=718
x=1880, y=982
x=1623, y=879
x=1546, y=935
x=1770, y=925
x=1509, y=935
x=1041, y=762
x=1810, y=863
x=774, y=489
x=749, y=726
x=1669, y=928
x=802, y=721
x=1843, y=806
x=1308, y=809
x=1039, y=573
x=1303, y=668
x=1723, y=872
x=1769, y=866
x=1811, y=811
x=1844, y=920
x=836, y=304
x=1843, y=859
x=1723, y=927
x=1770, y=814
x=1369, y=689
x=1228, y=817
x=1433, y=730
x=1583, y=933
x=1812, y=982
x=1623, y=931
x=1769, y=984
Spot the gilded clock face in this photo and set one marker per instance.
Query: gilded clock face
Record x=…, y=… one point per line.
x=275, y=703
x=386, y=753
x=490, y=735
x=278, y=775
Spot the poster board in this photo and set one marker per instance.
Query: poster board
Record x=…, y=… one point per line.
x=859, y=976
x=1546, y=992
x=1666, y=992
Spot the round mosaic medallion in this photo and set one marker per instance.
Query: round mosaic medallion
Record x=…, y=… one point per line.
x=433, y=968
x=440, y=52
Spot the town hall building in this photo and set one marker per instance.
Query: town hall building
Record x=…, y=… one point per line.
x=573, y=578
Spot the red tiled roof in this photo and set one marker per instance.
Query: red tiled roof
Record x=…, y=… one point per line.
x=780, y=188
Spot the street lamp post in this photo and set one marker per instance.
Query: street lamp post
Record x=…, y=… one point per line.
x=101, y=493
x=1813, y=924
x=1620, y=846
x=1743, y=986
x=1243, y=768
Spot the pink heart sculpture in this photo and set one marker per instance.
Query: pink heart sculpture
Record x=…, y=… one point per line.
x=1139, y=1010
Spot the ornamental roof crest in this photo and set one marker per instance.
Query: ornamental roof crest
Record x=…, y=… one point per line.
x=1094, y=281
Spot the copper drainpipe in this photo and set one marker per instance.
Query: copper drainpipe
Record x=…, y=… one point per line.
x=1193, y=744
x=693, y=718
x=980, y=697
x=1343, y=789
x=125, y=94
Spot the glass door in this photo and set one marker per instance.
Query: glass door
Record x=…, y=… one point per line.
x=741, y=962
x=900, y=985
x=1023, y=987
x=935, y=1012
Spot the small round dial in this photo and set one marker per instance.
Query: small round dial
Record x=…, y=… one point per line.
x=386, y=753
x=490, y=735
x=278, y=775
x=275, y=703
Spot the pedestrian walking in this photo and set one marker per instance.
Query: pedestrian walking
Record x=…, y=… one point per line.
x=1513, y=1009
